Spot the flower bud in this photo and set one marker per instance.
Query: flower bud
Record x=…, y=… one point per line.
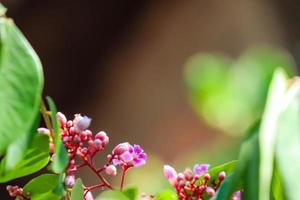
x=69, y=181
x=188, y=174
x=210, y=191
x=111, y=170
x=44, y=131
x=170, y=172
x=121, y=148
x=221, y=176
x=201, y=169
x=61, y=118
x=97, y=144
x=81, y=123
x=206, y=177
x=103, y=137
x=89, y=196
x=69, y=123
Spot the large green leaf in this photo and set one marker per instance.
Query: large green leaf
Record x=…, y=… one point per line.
x=236, y=180
x=41, y=187
x=61, y=158
x=77, y=190
x=36, y=157
x=267, y=132
x=288, y=142
x=230, y=95
x=21, y=81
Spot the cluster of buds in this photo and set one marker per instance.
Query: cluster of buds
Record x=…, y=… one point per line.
x=80, y=143
x=189, y=185
x=16, y=191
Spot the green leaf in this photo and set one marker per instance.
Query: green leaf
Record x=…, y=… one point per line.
x=267, y=132
x=288, y=141
x=77, y=190
x=112, y=195
x=16, y=150
x=277, y=186
x=60, y=189
x=21, y=82
x=236, y=181
x=41, y=187
x=36, y=157
x=228, y=168
x=131, y=193
x=61, y=158
x=240, y=85
x=166, y=195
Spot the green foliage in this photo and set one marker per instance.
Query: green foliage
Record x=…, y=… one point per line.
x=268, y=166
x=77, y=190
x=41, y=187
x=131, y=193
x=230, y=95
x=113, y=195
x=21, y=82
x=61, y=158
x=166, y=195
x=36, y=157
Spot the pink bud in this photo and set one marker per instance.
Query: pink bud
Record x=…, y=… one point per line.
x=206, y=177
x=81, y=123
x=61, y=118
x=97, y=144
x=111, y=170
x=103, y=137
x=69, y=123
x=89, y=134
x=89, y=196
x=69, y=181
x=188, y=174
x=180, y=177
x=221, y=175
x=169, y=172
x=44, y=131
x=121, y=148
x=210, y=191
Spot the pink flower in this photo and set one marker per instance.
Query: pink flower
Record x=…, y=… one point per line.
x=127, y=155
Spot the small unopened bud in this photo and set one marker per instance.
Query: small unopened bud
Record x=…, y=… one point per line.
x=103, y=137
x=69, y=123
x=188, y=174
x=121, y=148
x=111, y=170
x=169, y=172
x=81, y=123
x=44, y=131
x=210, y=191
x=69, y=181
x=97, y=144
x=180, y=177
x=221, y=176
x=51, y=147
x=206, y=177
x=61, y=118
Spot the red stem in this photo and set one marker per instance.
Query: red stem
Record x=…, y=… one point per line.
x=105, y=182
x=123, y=178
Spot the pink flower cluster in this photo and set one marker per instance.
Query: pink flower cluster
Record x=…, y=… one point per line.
x=188, y=185
x=80, y=143
x=16, y=191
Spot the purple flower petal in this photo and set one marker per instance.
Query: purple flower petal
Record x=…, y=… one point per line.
x=138, y=162
x=201, y=169
x=126, y=157
x=137, y=149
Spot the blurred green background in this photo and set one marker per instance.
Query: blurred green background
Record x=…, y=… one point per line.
x=184, y=79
